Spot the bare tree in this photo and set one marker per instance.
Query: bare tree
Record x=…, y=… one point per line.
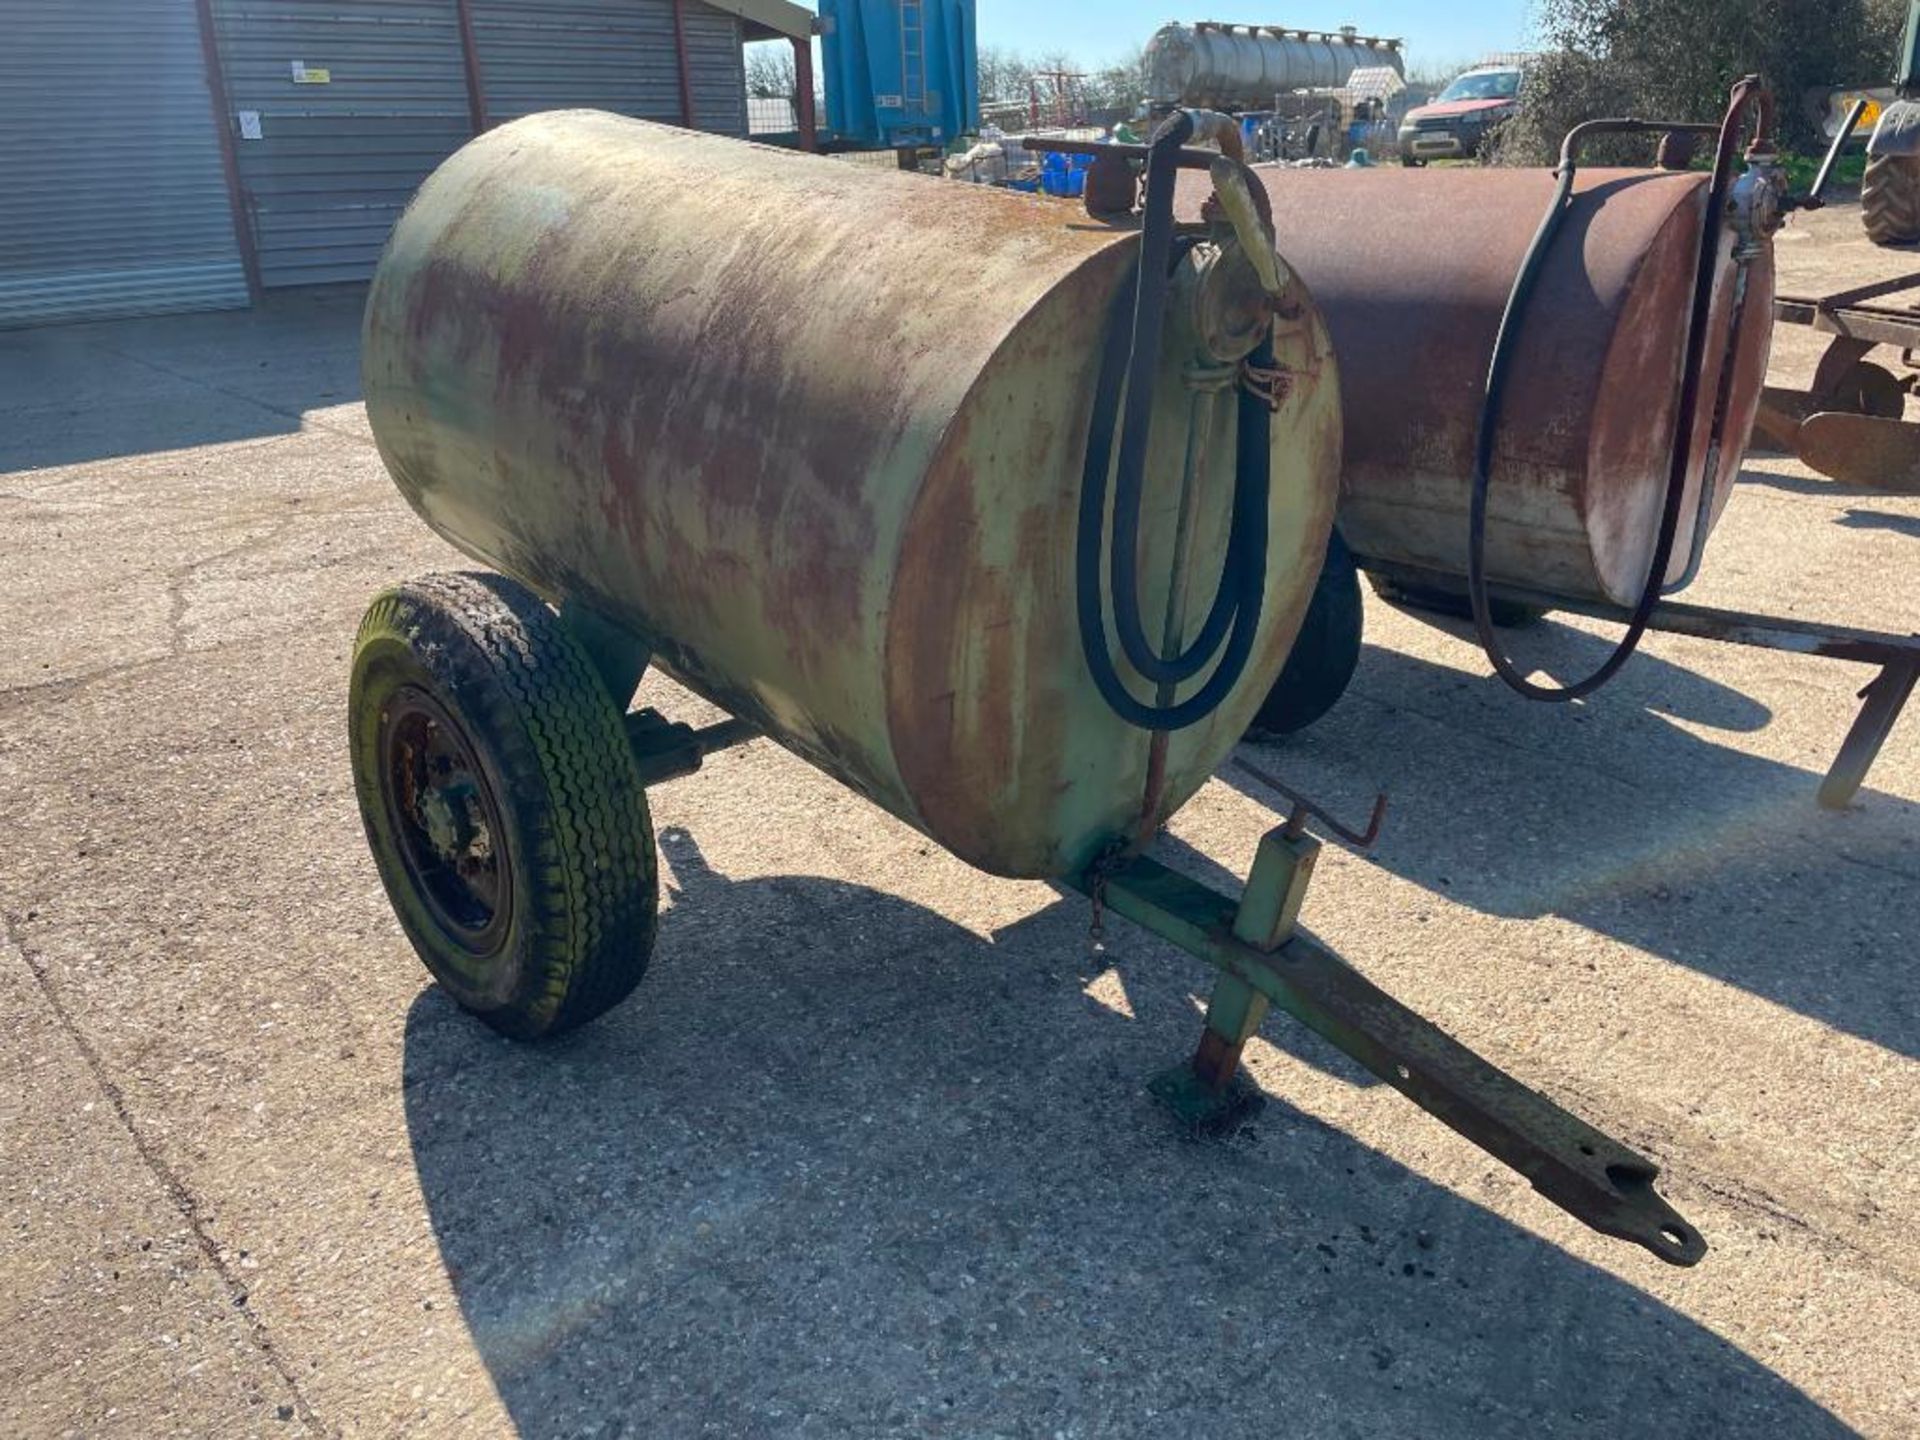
x=770, y=74
x=1122, y=85
x=1004, y=75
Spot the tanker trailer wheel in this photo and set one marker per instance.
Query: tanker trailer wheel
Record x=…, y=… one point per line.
x=502, y=802
x=1506, y=614
x=1325, y=653
x=1869, y=389
x=1890, y=199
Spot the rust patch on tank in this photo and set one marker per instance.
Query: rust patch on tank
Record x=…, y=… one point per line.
x=982, y=645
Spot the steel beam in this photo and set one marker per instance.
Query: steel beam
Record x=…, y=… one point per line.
x=223, y=123
x=1584, y=1171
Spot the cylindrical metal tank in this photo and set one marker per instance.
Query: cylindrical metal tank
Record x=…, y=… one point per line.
x=815, y=432
x=1245, y=66
x=1412, y=270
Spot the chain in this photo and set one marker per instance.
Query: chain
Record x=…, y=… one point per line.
x=1103, y=865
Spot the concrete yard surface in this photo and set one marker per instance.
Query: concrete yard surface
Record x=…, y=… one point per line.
x=868, y=1153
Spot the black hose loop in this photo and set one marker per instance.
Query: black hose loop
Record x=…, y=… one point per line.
x=1681, y=461
x=1243, y=573
x=1149, y=314
x=1129, y=360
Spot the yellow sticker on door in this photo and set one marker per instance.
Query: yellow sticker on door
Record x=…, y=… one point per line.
x=305, y=74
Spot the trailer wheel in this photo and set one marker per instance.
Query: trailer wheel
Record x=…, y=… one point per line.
x=1869, y=389
x=502, y=803
x=1506, y=614
x=1890, y=199
x=1325, y=653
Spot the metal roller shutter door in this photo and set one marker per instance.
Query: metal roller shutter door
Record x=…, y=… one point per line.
x=719, y=69
x=336, y=162
x=609, y=55
x=112, y=196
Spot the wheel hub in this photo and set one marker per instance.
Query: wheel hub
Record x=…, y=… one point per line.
x=445, y=820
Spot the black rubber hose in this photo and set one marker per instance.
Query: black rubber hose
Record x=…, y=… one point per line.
x=1149, y=314
x=1128, y=363
x=1243, y=573
x=1682, y=456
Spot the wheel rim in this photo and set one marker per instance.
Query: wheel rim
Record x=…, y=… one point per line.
x=445, y=821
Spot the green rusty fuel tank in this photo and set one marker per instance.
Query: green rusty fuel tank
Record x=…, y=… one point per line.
x=814, y=431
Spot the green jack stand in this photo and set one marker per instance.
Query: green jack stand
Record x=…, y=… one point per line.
x=1265, y=961
x=1209, y=1095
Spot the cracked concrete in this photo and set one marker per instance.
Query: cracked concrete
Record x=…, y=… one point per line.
x=868, y=1151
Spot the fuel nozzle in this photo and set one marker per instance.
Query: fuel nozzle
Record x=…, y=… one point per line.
x=1235, y=192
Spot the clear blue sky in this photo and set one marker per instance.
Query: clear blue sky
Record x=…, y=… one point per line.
x=1439, y=33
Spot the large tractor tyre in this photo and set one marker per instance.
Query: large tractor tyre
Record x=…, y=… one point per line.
x=1890, y=199
x=1325, y=653
x=502, y=802
x=1506, y=614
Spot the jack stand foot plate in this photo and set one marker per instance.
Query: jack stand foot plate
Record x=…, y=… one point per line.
x=1202, y=1112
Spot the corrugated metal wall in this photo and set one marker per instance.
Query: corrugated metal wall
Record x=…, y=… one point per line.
x=719, y=70
x=609, y=55
x=112, y=198
x=336, y=162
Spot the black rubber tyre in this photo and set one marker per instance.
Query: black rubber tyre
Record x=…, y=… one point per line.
x=1325, y=654
x=1890, y=199
x=502, y=803
x=1506, y=614
x=1870, y=389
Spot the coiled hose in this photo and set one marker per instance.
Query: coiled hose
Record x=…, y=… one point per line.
x=1127, y=364
x=1745, y=92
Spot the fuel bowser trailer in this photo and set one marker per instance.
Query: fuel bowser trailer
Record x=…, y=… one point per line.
x=1547, y=400
x=1007, y=521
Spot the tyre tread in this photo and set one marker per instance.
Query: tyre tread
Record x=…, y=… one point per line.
x=1890, y=199
x=530, y=687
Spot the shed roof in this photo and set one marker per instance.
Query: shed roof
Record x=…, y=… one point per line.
x=769, y=19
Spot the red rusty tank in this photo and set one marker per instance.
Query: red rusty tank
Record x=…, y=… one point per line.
x=1412, y=270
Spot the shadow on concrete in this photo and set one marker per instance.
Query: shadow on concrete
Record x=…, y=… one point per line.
x=843, y=1167
x=1612, y=815
x=70, y=394
x=1812, y=485
x=1908, y=525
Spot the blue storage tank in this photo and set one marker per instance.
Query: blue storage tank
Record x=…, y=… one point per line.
x=900, y=72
